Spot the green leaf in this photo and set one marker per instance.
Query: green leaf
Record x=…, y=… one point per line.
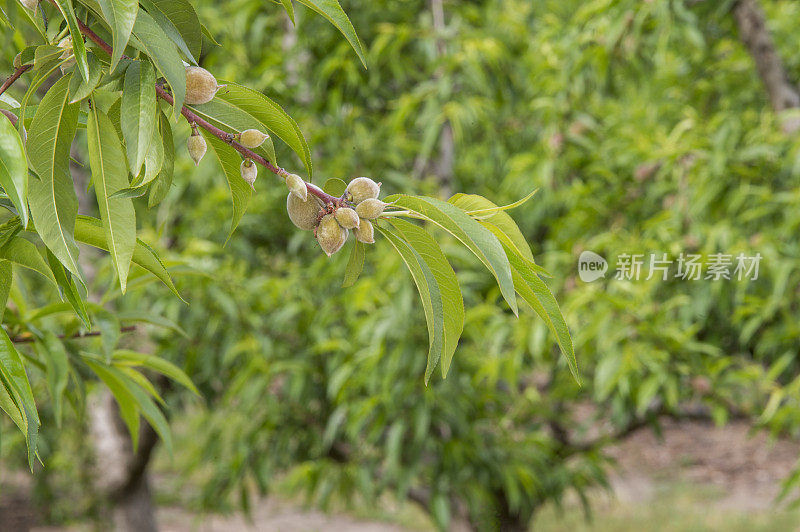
x=449, y=289
x=108, y=325
x=152, y=319
x=14, y=372
x=138, y=112
x=152, y=160
x=157, y=364
x=163, y=181
x=152, y=40
x=52, y=198
x=146, y=405
x=109, y=175
x=14, y=168
x=57, y=363
x=127, y=403
x=473, y=235
x=429, y=293
x=6, y=277
x=536, y=293
x=489, y=212
x=230, y=161
x=90, y=231
x=271, y=115
x=22, y=252
x=45, y=55
x=333, y=12
x=334, y=186
x=289, y=7
x=78, y=46
x=69, y=289
x=179, y=21
x=354, y=265
x=121, y=16
x=80, y=88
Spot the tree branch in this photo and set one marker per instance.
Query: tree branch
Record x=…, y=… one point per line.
x=224, y=136
x=755, y=35
x=13, y=77
x=29, y=339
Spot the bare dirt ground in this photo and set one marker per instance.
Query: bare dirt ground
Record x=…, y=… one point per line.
x=746, y=468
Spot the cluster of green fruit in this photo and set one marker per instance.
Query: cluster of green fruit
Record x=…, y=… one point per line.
x=331, y=223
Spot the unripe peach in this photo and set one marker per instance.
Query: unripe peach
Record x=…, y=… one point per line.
x=365, y=232
x=370, y=208
x=30, y=4
x=201, y=85
x=196, y=145
x=362, y=188
x=330, y=235
x=252, y=138
x=303, y=214
x=347, y=217
x=249, y=172
x=297, y=186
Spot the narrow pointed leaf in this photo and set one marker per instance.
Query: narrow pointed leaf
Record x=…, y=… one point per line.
x=127, y=403
x=22, y=252
x=109, y=175
x=449, y=289
x=156, y=364
x=14, y=168
x=52, y=199
x=163, y=181
x=90, y=231
x=6, y=277
x=121, y=16
x=57, y=363
x=152, y=40
x=78, y=46
x=333, y=12
x=429, y=293
x=354, y=265
x=80, y=88
x=138, y=112
x=271, y=115
x=536, y=293
x=472, y=234
x=179, y=21
x=69, y=289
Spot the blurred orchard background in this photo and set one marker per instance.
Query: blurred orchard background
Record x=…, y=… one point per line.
x=646, y=127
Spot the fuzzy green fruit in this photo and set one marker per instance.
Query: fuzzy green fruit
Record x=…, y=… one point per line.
x=303, y=214
x=365, y=232
x=362, y=188
x=370, y=208
x=330, y=235
x=252, y=138
x=297, y=186
x=347, y=217
x=201, y=85
x=249, y=172
x=196, y=145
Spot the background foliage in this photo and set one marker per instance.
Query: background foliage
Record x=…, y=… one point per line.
x=645, y=128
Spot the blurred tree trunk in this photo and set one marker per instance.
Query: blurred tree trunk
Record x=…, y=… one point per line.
x=442, y=168
x=753, y=31
x=120, y=474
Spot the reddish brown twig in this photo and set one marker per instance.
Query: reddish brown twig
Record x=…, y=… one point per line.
x=13, y=77
x=28, y=339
